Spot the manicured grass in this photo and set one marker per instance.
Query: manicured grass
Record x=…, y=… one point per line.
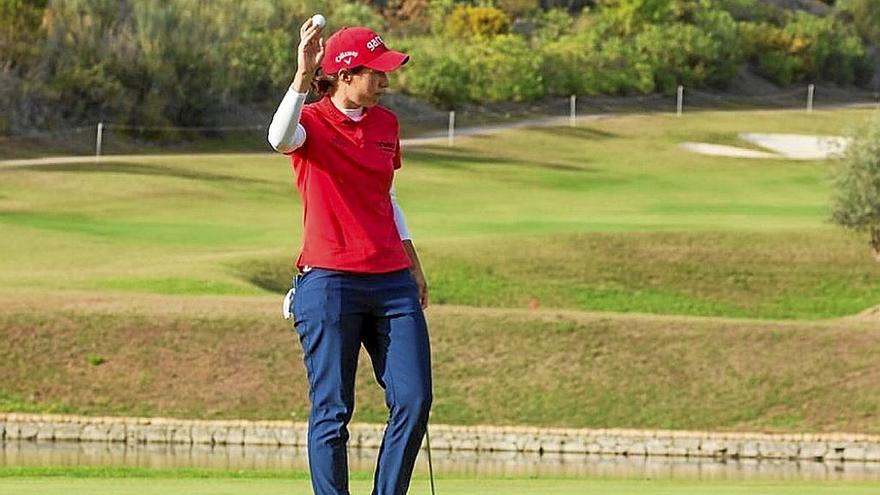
x=611, y=215
x=446, y=486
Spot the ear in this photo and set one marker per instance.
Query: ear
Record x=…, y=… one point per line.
x=345, y=76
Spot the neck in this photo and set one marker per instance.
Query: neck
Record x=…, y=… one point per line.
x=341, y=101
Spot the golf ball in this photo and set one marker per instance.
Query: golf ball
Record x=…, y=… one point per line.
x=319, y=20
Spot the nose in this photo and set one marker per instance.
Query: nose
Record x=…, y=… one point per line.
x=383, y=80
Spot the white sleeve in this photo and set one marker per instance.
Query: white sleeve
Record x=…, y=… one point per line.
x=285, y=132
x=399, y=219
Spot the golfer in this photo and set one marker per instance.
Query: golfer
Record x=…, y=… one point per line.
x=359, y=281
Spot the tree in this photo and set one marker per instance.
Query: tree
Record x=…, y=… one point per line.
x=20, y=31
x=865, y=15
x=856, y=179
x=634, y=15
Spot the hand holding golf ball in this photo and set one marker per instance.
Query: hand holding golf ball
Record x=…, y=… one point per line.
x=310, y=51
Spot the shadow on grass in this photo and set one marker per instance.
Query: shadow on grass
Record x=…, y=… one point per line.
x=463, y=159
x=577, y=132
x=274, y=274
x=138, y=169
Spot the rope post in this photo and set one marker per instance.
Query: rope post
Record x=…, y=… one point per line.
x=811, y=92
x=679, y=107
x=451, y=140
x=572, y=107
x=99, y=137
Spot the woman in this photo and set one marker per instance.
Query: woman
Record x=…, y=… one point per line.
x=360, y=280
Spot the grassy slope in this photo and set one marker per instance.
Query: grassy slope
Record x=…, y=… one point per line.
x=609, y=216
x=617, y=216
x=235, y=358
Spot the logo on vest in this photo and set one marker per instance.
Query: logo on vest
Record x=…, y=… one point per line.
x=375, y=43
x=386, y=146
x=346, y=57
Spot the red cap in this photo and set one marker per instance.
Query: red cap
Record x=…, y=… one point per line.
x=358, y=46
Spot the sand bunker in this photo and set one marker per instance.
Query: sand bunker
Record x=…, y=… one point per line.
x=722, y=150
x=872, y=314
x=786, y=146
x=799, y=146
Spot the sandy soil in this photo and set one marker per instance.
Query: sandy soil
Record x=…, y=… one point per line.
x=722, y=150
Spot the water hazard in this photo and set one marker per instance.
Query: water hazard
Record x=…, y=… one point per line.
x=476, y=464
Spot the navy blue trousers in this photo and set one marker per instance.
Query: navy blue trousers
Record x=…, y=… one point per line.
x=335, y=313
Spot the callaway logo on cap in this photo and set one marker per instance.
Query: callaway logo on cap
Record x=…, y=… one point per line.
x=358, y=46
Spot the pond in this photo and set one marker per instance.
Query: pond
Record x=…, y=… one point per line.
x=459, y=463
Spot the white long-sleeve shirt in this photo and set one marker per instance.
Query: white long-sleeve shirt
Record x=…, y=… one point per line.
x=286, y=134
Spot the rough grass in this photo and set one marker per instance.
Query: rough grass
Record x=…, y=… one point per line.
x=235, y=358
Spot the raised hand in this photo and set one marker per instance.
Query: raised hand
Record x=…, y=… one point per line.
x=310, y=51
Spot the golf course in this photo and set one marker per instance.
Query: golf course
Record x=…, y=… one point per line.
x=180, y=482
x=596, y=276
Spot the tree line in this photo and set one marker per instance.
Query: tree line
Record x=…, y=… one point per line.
x=195, y=62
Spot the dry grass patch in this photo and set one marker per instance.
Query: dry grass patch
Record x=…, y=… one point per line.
x=225, y=357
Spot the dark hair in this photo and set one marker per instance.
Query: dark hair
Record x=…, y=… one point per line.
x=323, y=84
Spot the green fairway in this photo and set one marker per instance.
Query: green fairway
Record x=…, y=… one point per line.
x=208, y=483
x=612, y=215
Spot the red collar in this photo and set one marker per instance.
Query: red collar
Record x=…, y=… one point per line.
x=327, y=106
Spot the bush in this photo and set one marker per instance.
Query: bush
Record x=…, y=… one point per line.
x=752, y=10
x=721, y=27
x=551, y=25
x=259, y=63
x=856, y=179
x=806, y=48
x=469, y=21
x=864, y=14
x=591, y=63
x=678, y=54
x=438, y=71
x=354, y=14
x=504, y=68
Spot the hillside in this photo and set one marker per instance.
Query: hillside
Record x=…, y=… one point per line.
x=595, y=276
x=232, y=357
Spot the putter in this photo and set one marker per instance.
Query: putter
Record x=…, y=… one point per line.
x=430, y=464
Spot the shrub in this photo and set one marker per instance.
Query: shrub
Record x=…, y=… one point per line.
x=864, y=14
x=259, y=62
x=552, y=24
x=678, y=54
x=504, y=68
x=856, y=180
x=354, y=14
x=469, y=21
x=438, y=71
x=806, y=48
x=591, y=63
x=728, y=55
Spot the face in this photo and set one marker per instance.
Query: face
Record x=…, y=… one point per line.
x=365, y=88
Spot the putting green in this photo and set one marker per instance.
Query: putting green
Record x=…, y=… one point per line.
x=140, y=486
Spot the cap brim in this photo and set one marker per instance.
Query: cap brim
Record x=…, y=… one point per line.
x=388, y=61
